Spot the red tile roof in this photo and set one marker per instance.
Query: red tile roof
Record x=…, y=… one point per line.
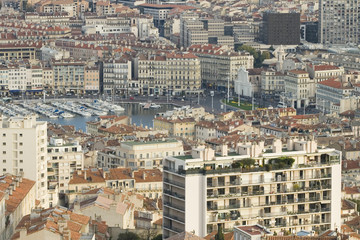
x=18, y=194
x=334, y=84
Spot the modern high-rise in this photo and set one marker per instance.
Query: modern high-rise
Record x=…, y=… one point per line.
x=23, y=142
x=281, y=28
x=289, y=187
x=339, y=22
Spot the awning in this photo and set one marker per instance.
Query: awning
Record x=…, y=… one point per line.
x=35, y=90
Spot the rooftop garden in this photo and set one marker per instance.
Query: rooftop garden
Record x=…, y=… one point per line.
x=247, y=165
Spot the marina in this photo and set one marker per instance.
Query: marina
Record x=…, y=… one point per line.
x=74, y=112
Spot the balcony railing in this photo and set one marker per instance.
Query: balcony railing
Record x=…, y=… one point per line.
x=175, y=194
x=177, y=218
x=176, y=183
x=178, y=230
x=231, y=206
x=175, y=206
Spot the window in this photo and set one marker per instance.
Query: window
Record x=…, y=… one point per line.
x=4, y=134
x=20, y=135
x=4, y=143
x=4, y=161
x=4, y=169
x=21, y=144
x=21, y=170
x=4, y=152
x=21, y=152
x=21, y=161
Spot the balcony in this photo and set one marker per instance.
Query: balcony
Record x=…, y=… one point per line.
x=174, y=206
x=231, y=206
x=175, y=183
x=177, y=218
x=174, y=194
x=222, y=184
x=173, y=229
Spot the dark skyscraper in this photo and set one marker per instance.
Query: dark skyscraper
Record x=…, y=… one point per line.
x=281, y=28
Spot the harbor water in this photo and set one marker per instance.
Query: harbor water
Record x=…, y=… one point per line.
x=138, y=115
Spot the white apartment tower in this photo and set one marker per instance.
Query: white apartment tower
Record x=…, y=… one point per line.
x=203, y=191
x=63, y=159
x=23, y=143
x=339, y=22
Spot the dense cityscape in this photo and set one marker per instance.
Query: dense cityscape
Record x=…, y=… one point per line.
x=179, y=120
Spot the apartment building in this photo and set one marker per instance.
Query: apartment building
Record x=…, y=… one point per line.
x=324, y=72
x=91, y=79
x=215, y=27
x=35, y=79
x=177, y=127
x=146, y=182
x=16, y=75
x=59, y=18
x=73, y=8
x=299, y=88
x=272, y=82
x=243, y=32
x=291, y=190
x=160, y=13
x=63, y=159
x=219, y=63
x=331, y=93
x=192, y=32
x=146, y=154
x=168, y=73
x=23, y=151
x=48, y=79
x=17, y=198
x=116, y=75
x=338, y=22
x=30, y=51
x=68, y=76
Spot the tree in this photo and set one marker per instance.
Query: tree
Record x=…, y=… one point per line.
x=248, y=162
x=219, y=235
x=128, y=236
x=258, y=56
x=157, y=237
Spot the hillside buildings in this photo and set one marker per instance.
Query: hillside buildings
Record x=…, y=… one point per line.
x=205, y=190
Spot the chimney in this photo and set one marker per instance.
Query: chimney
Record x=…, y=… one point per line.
x=13, y=186
x=144, y=175
x=62, y=225
x=77, y=206
x=95, y=228
x=23, y=233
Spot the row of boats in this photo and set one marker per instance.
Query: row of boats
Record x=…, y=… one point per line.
x=150, y=105
x=61, y=109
